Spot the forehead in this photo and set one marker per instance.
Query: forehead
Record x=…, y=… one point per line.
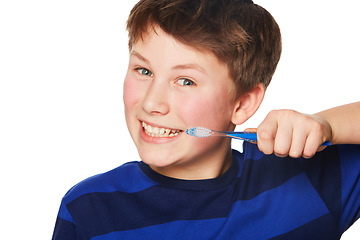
x=155, y=42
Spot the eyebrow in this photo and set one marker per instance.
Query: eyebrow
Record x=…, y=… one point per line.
x=177, y=67
x=139, y=56
x=190, y=66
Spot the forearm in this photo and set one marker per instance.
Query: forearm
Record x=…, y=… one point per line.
x=345, y=123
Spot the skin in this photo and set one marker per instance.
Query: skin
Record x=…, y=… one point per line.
x=287, y=132
x=173, y=86
x=167, y=85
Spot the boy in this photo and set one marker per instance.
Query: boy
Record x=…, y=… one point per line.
x=208, y=63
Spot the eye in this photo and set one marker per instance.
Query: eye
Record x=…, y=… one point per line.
x=185, y=82
x=145, y=72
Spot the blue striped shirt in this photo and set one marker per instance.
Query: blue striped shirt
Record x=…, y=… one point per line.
x=259, y=197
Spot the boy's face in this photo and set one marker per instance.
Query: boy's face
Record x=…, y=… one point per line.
x=170, y=87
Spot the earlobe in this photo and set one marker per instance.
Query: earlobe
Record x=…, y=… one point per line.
x=247, y=104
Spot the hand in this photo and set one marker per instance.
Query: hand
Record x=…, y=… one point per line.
x=287, y=132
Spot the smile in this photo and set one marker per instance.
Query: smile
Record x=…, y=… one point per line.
x=160, y=132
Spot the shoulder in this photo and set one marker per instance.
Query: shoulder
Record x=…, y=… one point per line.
x=125, y=178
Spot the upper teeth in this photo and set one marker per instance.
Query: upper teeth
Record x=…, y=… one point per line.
x=160, y=132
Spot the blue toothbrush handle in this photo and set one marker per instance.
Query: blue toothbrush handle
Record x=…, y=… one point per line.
x=246, y=136
x=327, y=143
x=252, y=137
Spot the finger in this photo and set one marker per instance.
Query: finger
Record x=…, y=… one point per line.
x=298, y=143
x=266, y=133
x=321, y=148
x=251, y=130
x=312, y=145
x=283, y=140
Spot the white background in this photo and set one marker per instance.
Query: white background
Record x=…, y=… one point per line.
x=62, y=65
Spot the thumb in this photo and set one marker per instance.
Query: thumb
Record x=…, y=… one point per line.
x=251, y=130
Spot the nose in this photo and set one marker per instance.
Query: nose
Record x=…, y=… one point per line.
x=156, y=101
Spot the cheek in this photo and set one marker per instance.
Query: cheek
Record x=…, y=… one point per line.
x=131, y=94
x=132, y=99
x=210, y=111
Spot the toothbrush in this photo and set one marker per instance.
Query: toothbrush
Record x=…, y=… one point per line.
x=246, y=136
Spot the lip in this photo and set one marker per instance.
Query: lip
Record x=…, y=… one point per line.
x=158, y=140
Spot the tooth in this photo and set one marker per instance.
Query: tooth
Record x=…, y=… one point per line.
x=162, y=131
x=159, y=132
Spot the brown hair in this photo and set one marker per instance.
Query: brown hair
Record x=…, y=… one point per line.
x=239, y=33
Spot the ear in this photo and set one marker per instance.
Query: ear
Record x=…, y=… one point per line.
x=247, y=104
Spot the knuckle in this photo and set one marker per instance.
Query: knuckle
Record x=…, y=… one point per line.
x=268, y=152
x=287, y=113
x=280, y=150
x=318, y=127
x=265, y=149
x=307, y=156
x=295, y=154
x=273, y=113
x=264, y=134
x=308, y=153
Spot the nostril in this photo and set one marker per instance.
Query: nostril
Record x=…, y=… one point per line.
x=155, y=109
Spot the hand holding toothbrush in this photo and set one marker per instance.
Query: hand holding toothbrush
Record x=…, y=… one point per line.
x=283, y=132
x=287, y=132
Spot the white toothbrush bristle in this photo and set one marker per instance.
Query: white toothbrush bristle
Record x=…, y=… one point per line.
x=199, y=132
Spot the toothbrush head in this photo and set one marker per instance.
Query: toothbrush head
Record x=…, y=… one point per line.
x=199, y=132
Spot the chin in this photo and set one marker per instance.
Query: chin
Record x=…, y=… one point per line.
x=157, y=160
